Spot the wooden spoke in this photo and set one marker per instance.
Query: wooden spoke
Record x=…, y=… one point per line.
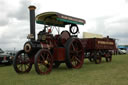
x=45, y=57
x=74, y=53
x=22, y=62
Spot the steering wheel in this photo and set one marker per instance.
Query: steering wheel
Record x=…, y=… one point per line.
x=74, y=29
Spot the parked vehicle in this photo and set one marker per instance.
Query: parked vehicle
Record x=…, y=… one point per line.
x=5, y=58
x=121, y=51
x=11, y=52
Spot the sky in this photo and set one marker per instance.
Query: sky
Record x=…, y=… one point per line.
x=106, y=17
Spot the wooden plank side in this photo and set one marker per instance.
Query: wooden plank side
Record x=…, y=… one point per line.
x=98, y=43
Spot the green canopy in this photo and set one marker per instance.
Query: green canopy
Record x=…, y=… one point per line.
x=57, y=19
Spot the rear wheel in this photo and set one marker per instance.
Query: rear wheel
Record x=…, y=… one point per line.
x=108, y=57
x=22, y=62
x=91, y=59
x=97, y=58
x=43, y=61
x=74, y=53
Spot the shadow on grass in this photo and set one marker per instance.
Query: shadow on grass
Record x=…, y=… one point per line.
x=61, y=68
x=4, y=65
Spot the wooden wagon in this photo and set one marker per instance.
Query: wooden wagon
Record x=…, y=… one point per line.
x=96, y=48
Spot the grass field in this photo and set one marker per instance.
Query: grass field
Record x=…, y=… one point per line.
x=112, y=73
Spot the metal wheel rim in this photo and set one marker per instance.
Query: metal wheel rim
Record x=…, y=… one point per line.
x=44, y=62
x=22, y=63
x=108, y=58
x=97, y=59
x=75, y=54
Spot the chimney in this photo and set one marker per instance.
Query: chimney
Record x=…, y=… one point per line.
x=32, y=21
x=107, y=36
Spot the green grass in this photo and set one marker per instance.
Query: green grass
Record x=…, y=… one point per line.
x=112, y=73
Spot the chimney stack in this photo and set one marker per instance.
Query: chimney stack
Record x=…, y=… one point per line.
x=32, y=21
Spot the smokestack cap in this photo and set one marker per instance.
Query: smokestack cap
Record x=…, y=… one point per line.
x=32, y=7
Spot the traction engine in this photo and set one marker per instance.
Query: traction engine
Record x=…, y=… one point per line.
x=50, y=50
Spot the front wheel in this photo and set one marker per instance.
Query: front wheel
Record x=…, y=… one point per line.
x=22, y=62
x=43, y=61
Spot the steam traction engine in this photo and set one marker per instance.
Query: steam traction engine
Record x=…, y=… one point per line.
x=50, y=50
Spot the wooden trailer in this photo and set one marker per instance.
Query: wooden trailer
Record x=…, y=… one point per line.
x=96, y=48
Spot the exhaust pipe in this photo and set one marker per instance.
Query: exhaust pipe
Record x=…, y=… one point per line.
x=32, y=22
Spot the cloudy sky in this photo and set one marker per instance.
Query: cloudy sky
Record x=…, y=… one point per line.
x=106, y=17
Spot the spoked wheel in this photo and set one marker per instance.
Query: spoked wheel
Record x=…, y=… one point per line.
x=74, y=53
x=108, y=57
x=22, y=62
x=97, y=58
x=43, y=61
x=91, y=59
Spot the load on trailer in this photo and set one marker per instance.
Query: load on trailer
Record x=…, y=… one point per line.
x=48, y=50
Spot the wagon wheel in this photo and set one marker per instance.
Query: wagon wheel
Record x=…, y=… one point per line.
x=91, y=57
x=97, y=58
x=43, y=61
x=56, y=64
x=108, y=57
x=22, y=62
x=74, y=53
